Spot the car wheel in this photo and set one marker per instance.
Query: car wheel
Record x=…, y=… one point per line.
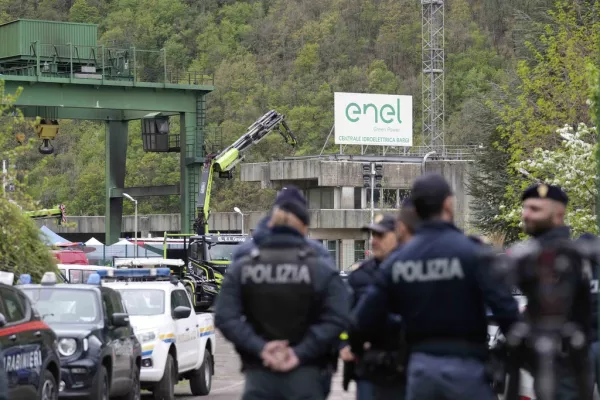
x=201, y=380
x=48, y=388
x=165, y=389
x=135, y=393
x=101, y=387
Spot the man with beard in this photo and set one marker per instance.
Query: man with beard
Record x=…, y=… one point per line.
x=543, y=215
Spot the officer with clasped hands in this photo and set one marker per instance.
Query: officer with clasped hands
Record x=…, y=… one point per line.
x=439, y=286
x=283, y=307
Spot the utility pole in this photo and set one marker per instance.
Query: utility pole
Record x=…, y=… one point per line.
x=372, y=178
x=432, y=27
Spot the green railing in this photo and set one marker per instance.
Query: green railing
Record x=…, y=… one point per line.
x=103, y=64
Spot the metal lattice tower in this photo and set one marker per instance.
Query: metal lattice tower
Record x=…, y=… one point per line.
x=433, y=74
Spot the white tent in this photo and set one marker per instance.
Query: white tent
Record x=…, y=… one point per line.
x=93, y=242
x=123, y=242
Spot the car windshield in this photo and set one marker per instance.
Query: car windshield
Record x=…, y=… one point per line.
x=65, y=306
x=222, y=251
x=143, y=301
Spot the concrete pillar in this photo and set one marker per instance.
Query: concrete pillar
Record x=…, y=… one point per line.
x=144, y=226
x=347, y=253
x=115, y=156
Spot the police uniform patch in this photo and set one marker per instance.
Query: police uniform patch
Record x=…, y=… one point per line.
x=542, y=190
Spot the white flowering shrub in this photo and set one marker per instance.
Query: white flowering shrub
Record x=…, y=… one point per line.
x=571, y=166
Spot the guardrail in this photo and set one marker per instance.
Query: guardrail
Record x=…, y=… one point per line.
x=103, y=64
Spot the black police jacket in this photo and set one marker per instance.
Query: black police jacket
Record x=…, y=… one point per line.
x=381, y=339
x=332, y=318
x=440, y=286
x=585, y=303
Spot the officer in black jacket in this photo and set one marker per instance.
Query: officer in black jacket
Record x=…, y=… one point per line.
x=376, y=369
x=440, y=287
x=543, y=215
x=283, y=307
x=594, y=306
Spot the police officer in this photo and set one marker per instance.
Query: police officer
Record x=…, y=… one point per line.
x=378, y=381
x=283, y=308
x=594, y=306
x=262, y=230
x=543, y=215
x=440, y=287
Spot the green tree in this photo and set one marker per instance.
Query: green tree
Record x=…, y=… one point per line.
x=21, y=249
x=82, y=12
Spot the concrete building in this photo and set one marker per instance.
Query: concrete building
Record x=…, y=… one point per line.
x=333, y=185
x=340, y=205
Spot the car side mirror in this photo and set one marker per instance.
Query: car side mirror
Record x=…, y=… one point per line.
x=120, y=319
x=181, y=312
x=2, y=320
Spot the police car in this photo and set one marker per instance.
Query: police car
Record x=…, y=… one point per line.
x=177, y=343
x=28, y=347
x=100, y=355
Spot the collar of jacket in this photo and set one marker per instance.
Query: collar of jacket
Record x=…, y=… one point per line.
x=436, y=225
x=280, y=235
x=560, y=232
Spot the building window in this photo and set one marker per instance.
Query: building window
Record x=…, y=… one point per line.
x=332, y=248
x=359, y=250
x=327, y=198
x=357, y=198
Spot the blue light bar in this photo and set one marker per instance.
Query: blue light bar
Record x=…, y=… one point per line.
x=93, y=279
x=24, y=279
x=135, y=272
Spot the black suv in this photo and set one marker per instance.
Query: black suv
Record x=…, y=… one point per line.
x=100, y=355
x=29, y=356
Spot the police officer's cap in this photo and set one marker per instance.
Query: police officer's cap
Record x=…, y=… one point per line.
x=428, y=194
x=383, y=223
x=544, y=191
x=292, y=200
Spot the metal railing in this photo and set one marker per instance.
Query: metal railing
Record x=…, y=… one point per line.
x=103, y=63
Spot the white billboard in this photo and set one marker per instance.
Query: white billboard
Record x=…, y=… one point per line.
x=373, y=119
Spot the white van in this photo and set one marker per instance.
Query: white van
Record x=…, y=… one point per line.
x=79, y=273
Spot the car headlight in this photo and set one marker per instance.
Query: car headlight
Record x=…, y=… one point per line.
x=147, y=337
x=67, y=347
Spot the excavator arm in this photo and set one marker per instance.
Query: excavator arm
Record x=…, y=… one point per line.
x=59, y=212
x=226, y=160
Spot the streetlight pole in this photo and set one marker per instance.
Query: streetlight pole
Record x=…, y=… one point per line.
x=372, y=192
x=237, y=210
x=425, y=159
x=135, y=223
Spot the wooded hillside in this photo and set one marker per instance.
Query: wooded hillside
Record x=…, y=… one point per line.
x=516, y=71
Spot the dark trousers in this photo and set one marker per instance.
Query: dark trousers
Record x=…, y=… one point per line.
x=389, y=392
x=303, y=383
x=446, y=378
x=367, y=390
x=596, y=364
x=326, y=377
x=566, y=387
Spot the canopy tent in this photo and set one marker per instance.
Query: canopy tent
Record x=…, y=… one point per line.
x=52, y=239
x=93, y=242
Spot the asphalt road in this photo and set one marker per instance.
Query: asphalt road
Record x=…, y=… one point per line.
x=228, y=382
